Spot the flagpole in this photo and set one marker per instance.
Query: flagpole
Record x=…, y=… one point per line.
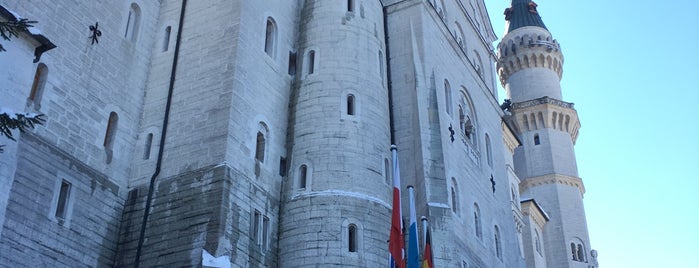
x=396, y=244
x=413, y=259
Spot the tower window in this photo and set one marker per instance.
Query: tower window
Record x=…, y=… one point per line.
x=292, y=63
x=574, y=251
x=352, y=238
x=166, y=38
x=38, y=86
x=350, y=105
x=350, y=5
x=260, y=147
x=454, y=196
x=303, y=176
x=498, y=245
x=447, y=96
x=270, y=37
x=62, y=205
x=387, y=171
x=256, y=226
x=581, y=253
x=110, y=135
x=311, y=61
x=537, y=141
x=132, y=22
x=146, y=150
x=488, y=150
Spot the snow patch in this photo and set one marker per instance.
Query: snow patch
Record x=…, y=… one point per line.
x=438, y=205
x=13, y=115
x=34, y=30
x=17, y=17
x=208, y=260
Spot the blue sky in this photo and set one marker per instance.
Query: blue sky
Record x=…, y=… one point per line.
x=631, y=68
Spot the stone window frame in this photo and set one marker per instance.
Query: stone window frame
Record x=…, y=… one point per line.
x=133, y=22
x=38, y=86
x=68, y=203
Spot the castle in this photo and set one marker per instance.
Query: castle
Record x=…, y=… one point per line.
x=230, y=133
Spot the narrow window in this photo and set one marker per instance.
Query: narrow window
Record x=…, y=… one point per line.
x=537, y=241
x=477, y=220
x=498, y=246
x=303, y=176
x=260, y=148
x=350, y=104
x=282, y=166
x=447, y=96
x=265, y=232
x=311, y=61
x=573, y=251
x=488, y=150
x=132, y=22
x=292, y=63
x=166, y=38
x=110, y=135
x=146, y=150
x=62, y=205
x=38, y=86
x=537, y=141
x=352, y=238
x=382, y=72
x=256, y=227
x=453, y=199
x=350, y=5
x=581, y=253
x=270, y=37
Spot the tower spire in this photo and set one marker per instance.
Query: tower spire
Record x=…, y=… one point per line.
x=522, y=13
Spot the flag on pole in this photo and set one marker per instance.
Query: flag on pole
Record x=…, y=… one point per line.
x=427, y=254
x=413, y=259
x=395, y=241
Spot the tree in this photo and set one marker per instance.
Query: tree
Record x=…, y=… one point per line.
x=9, y=29
x=10, y=120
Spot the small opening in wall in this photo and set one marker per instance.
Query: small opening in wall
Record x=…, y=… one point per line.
x=350, y=104
x=352, y=233
x=292, y=63
x=537, y=140
x=62, y=205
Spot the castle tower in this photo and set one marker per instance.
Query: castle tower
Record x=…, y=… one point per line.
x=530, y=68
x=335, y=204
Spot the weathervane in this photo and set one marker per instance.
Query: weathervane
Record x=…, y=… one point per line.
x=96, y=33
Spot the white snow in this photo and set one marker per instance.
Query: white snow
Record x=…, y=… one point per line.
x=34, y=30
x=13, y=114
x=14, y=14
x=438, y=205
x=208, y=260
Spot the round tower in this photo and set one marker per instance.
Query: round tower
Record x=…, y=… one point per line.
x=335, y=207
x=530, y=65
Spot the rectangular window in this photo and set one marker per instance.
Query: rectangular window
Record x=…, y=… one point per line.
x=256, y=227
x=62, y=205
x=265, y=232
x=282, y=166
x=292, y=63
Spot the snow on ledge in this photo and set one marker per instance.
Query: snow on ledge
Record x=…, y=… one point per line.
x=209, y=261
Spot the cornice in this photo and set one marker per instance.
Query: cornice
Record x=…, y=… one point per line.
x=552, y=179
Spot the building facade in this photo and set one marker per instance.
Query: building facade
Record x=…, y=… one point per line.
x=257, y=133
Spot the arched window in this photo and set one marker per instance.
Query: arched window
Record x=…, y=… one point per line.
x=110, y=135
x=350, y=105
x=303, y=176
x=477, y=220
x=260, y=147
x=38, y=85
x=447, y=96
x=478, y=63
x=488, y=151
x=270, y=37
x=581, y=253
x=146, y=149
x=352, y=238
x=166, y=38
x=133, y=22
x=454, y=196
x=537, y=242
x=537, y=140
x=467, y=116
x=574, y=251
x=498, y=246
x=311, y=61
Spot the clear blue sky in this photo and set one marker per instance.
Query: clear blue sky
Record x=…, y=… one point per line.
x=631, y=68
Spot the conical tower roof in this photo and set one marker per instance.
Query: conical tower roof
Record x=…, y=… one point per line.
x=522, y=13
